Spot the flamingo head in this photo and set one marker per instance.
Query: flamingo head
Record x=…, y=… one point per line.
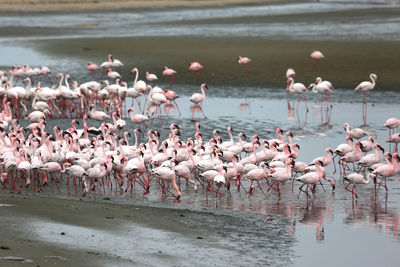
x=374, y=76
x=135, y=70
x=204, y=85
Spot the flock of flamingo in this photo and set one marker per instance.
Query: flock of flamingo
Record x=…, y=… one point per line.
x=32, y=158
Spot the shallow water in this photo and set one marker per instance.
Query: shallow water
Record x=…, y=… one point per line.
x=331, y=222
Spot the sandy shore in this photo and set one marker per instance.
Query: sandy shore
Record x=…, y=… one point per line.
x=70, y=232
x=103, y=5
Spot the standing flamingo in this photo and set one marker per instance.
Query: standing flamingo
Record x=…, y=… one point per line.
x=356, y=178
x=171, y=73
x=299, y=89
x=197, y=68
x=198, y=98
x=151, y=77
x=92, y=67
x=356, y=133
x=317, y=56
x=364, y=87
x=244, y=61
x=391, y=124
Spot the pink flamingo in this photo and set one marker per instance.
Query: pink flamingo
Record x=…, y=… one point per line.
x=171, y=96
x=356, y=133
x=387, y=170
x=354, y=179
x=311, y=178
x=92, y=67
x=107, y=64
x=244, y=61
x=113, y=74
x=137, y=118
x=281, y=175
x=168, y=174
x=151, y=77
x=290, y=73
x=394, y=138
x=197, y=68
x=198, y=98
x=317, y=56
x=299, y=89
x=391, y=124
x=364, y=87
x=171, y=73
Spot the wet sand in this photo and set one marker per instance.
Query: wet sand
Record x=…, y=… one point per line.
x=95, y=5
x=59, y=232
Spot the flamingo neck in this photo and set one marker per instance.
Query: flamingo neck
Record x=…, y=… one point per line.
x=60, y=83
x=202, y=91
x=136, y=77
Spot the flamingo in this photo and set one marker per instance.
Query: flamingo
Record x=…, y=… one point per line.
x=387, y=170
x=299, y=89
x=356, y=133
x=244, y=61
x=364, y=87
x=116, y=63
x=198, y=98
x=107, y=64
x=168, y=174
x=317, y=56
x=98, y=115
x=113, y=74
x=137, y=118
x=171, y=96
x=290, y=73
x=311, y=178
x=169, y=72
x=197, y=68
x=92, y=67
x=151, y=77
x=354, y=179
x=391, y=123
x=394, y=138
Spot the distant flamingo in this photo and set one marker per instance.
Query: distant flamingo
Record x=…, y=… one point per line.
x=171, y=96
x=290, y=73
x=317, y=56
x=151, y=77
x=364, y=87
x=171, y=73
x=356, y=133
x=107, y=64
x=92, y=67
x=113, y=74
x=197, y=99
x=299, y=89
x=197, y=68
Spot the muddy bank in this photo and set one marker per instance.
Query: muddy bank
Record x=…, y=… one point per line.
x=346, y=63
x=62, y=232
x=24, y=6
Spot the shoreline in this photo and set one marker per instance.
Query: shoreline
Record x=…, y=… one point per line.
x=24, y=6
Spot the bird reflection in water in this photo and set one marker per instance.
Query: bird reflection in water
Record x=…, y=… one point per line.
x=380, y=217
x=314, y=216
